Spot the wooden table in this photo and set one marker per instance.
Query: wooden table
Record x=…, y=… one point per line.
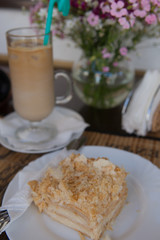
x=12, y=162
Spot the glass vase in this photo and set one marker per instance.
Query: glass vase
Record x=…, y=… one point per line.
x=102, y=90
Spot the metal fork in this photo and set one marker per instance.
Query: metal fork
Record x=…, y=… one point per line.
x=4, y=219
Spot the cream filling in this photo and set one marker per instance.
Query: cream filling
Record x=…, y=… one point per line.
x=69, y=213
x=108, y=220
x=68, y=221
x=72, y=219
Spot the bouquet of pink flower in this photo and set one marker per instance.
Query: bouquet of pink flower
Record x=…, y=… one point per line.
x=105, y=30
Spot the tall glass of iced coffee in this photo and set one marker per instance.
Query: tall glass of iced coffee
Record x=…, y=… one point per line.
x=31, y=72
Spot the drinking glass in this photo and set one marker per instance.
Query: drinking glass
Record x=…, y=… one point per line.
x=32, y=81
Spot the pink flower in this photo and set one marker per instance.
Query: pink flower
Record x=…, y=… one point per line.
x=151, y=19
x=106, y=69
x=124, y=23
x=93, y=19
x=117, y=9
x=156, y=2
x=34, y=10
x=127, y=22
x=54, y=32
x=123, y=51
x=37, y=6
x=115, y=64
x=135, y=6
x=132, y=19
x=146, y=5
x=104, y=51
x=105, y=8
x=106, y=54
x=140, y=13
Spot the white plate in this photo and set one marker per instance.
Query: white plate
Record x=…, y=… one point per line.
x=66, y=111
x=139, y=219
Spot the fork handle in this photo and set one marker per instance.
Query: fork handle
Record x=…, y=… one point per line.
x=4, y=219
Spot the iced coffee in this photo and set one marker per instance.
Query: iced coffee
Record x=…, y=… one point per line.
x=31, y=70
x=32, y=80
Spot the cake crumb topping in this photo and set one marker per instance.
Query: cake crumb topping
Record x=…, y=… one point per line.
x=84, y=183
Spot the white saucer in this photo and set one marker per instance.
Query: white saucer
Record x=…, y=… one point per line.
x=74, y=133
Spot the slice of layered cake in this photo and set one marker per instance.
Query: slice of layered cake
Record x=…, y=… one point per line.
x=82, y=193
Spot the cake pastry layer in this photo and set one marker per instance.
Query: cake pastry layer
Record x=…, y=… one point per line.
x=85, y=194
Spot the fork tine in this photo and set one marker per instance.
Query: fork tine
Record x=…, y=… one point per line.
x=3, y=213
x=4, y=219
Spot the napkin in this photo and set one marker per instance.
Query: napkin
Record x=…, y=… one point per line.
x=18, y=198
x=66, y=123
x=138, y=117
